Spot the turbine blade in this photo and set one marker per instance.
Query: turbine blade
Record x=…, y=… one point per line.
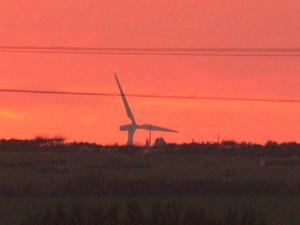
x=127, y=108
x=156, y=128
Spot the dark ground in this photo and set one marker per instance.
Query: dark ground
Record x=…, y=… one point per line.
x=214, y=177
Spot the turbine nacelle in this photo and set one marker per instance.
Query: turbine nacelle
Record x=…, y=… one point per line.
x=127, y=127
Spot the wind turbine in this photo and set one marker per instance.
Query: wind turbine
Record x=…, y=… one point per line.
x=131, y=128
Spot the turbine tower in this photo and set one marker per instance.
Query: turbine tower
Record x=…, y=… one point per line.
x=133, y=126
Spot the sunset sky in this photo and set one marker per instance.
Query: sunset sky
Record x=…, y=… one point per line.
x=156, y=23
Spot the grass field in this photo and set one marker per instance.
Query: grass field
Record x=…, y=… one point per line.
x=277, y=210
x=32, y=181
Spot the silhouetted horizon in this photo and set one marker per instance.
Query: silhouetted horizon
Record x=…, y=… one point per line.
x=63, y=140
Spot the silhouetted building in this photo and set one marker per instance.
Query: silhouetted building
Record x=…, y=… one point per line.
x=159, y=142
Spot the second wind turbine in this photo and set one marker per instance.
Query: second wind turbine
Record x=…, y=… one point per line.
x=131, y=128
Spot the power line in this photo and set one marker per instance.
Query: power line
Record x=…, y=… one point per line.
x=155, y=54
x=270, y=100
x=238, y=52
x=73, y=48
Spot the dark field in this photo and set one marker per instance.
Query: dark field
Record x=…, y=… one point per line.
x=32, y=181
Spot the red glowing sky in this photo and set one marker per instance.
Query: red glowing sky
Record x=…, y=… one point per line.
x=156, y=23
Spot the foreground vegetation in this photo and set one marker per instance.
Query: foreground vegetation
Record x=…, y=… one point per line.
x=133, y=214
x=49, y=174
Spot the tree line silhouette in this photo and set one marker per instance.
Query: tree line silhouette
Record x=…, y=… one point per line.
x=58, y=144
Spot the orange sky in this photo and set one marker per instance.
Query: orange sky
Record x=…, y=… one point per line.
x=156, y=23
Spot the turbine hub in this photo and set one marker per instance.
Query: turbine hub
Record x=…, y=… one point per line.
x=128, y=127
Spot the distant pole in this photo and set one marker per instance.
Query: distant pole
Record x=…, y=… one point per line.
x=218, y=140
x=150, y=136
